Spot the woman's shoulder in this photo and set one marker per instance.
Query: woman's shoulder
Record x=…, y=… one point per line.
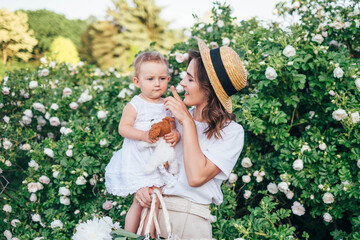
x=233, y=128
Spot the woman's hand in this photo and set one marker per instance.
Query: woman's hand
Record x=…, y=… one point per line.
x=177, y=107
x=143, y=196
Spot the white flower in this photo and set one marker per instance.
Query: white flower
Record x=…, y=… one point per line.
x=64, y=191
x=214, y=45
x=36, y=217
x=187, y=33
x=74, y=105
x=289, y=51
x=97, y=229
x=179, y=88
x=33, y=84
x=262, y=173
x=44, y=179
x=6, y=144
x=233, y=178
x=132, y=86
x=246, y=162
x=6, y=119
x=67, y=91
x=54, y=121
x=124, y=92
x=328, y=198
x=332, y=93
x=39, y=107
x=107, y=205
x=259, y=179
x=182, y=74
x=54, y=106
x=14, y=222
x=270, y=73
x=339, y=114
x=28, y=113
x=327, y=217
x=296, y=5
x=8, y=163
x=77, y=211
x=179, y=57
x=56, y=223
x=8, y=235
x=26, y=120
x=69, y=153
x=298, y=165
x=25, y=147
x=317, y=38
x=355, y=117
x=103, y=142
x=56, y=174
x=84, y=97
x=49, y=152
x=272, y=188
x=225, y=41
x=209, y=29
x=338, y=72
x=41, y=121
x=289, y=194
x=43, y=60
x=44, y=72
x=39, y=186
x=298, y=209
x=247, y=194
x=33, y=197
x=347, y=24
x=7, y=208
x=283, y=187
x=80, y=180
x=33, y=164
x=246, y=178
x=6, y=90
x=220, y=23
x=101, y=114
x=357, y=83
x=52, y=64
x=322, y=146
x=64, y=200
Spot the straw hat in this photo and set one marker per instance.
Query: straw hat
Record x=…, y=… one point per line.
x=225, y=70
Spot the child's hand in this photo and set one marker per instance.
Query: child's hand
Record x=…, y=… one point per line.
x=173, y=137
x=146, y=138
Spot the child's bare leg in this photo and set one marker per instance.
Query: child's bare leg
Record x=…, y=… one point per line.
x=132, y=219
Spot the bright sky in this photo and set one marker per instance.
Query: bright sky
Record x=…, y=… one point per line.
x=179, y=12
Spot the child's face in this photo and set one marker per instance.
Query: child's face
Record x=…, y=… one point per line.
x=152, y=80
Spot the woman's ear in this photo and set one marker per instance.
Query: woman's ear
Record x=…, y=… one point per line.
x=136, y=82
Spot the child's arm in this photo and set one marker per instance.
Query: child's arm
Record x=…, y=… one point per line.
x=126, y=126
x=174, y=136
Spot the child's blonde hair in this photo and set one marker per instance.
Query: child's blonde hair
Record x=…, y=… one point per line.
x=148, y=57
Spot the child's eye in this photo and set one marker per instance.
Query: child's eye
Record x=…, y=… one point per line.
x=149, y=79
x=163, y=78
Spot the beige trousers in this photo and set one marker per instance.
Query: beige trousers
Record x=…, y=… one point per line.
x=188, y=220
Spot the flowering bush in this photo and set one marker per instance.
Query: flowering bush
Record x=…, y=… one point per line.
x=300, y=164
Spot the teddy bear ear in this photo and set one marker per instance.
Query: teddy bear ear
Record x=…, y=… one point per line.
x=170, y=119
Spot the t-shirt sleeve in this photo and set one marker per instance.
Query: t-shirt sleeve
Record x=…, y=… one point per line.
x=224, y=152
x=135, y=103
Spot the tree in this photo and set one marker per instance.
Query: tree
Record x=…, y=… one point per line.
x=64, y=50
x=48, y=25
x=15, y=37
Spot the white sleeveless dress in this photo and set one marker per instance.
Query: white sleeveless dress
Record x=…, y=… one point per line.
x=124, y=174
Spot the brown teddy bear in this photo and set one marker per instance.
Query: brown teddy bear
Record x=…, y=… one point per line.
x=161, y=128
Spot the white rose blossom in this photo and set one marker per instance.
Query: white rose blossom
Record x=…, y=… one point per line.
x=39, y=107
x=6, y=119
x=233, y=178
x=270, y=73
x=338, y=72
x=33, y=197
x=298, y=165
x=298, y=209
x=179, y=57
x=247, y=194
x=124, y=92
x=41, y=121
x=49, y=152
x=246, y=178
x=289, y=51
x=56, y=174
x=327, y=217
x=209, y=29
x=6, y=90
x=14, y=222
x=36, y=217
x=56, y=223
x=7, y=144
x=64, y=200
x=225, y=41
x=322, y=146
x=357, y=83
x=80, y=180
x=26, y=120
x=7, y=208
x=44, y=179
x=54, y=106
x=8, y=235
x=317, y=38
x=246, y=162
x=283, y=187
x=328, y=198
x=33, y=164
x=179, y=88
x=272, y=188
x=289, y=194
x=103, y=142
x=67, y=91
x=33, y=84
x=101, y=114
x=220, y=23
x=54, y=121
x=84, y=97
x=69, y=153
x=339, y=115
x=65, y=131
x=64, y=191
x=28, y=113
x=355, y=117
x=44, y=72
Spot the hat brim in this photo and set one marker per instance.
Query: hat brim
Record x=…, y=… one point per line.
x=224, y=99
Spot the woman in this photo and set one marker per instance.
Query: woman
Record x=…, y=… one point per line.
x=211, y=140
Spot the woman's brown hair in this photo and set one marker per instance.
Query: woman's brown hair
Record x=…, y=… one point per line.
x=213, y=113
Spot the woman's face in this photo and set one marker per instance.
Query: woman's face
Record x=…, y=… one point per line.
x=194, y=95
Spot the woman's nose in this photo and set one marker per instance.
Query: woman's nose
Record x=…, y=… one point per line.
x=182, y=82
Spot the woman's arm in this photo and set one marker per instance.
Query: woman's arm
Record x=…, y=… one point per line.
x=126, y=126
x=199, y=169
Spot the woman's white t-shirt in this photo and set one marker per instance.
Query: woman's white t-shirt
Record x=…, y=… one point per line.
x=223, y=152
